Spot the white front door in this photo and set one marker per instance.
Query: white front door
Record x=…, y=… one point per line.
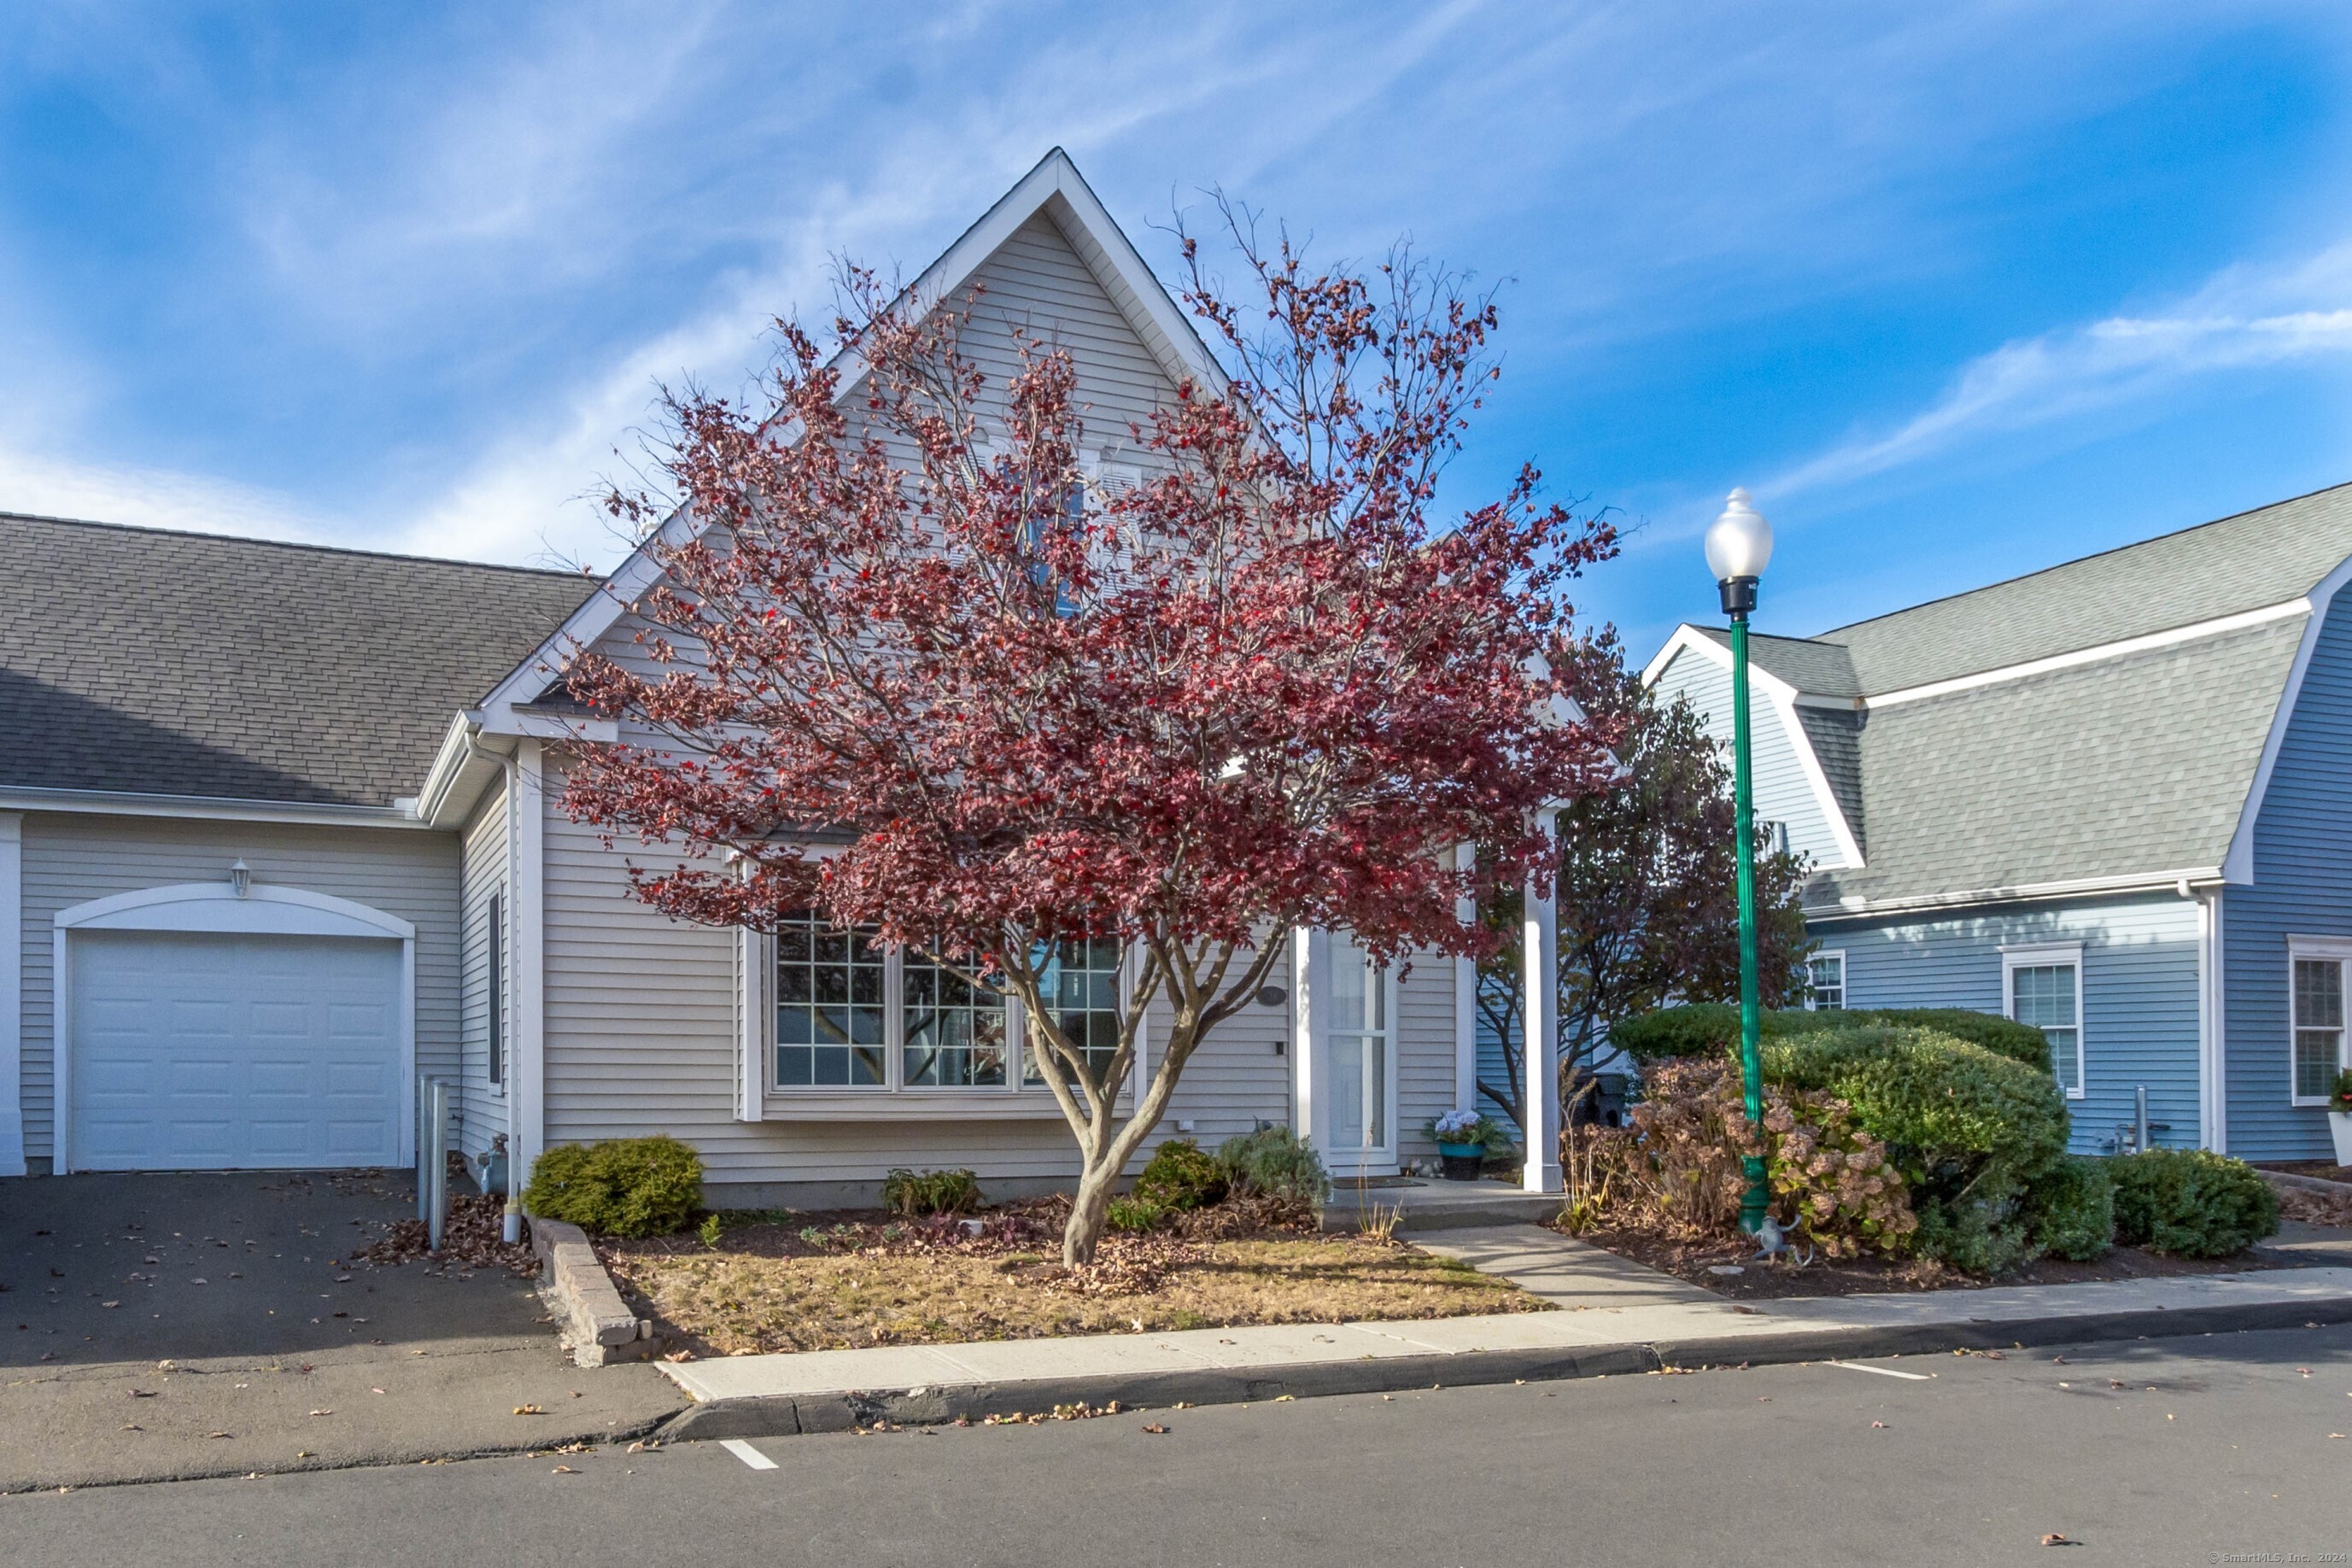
x=1359, y=1048
x=218, y=1051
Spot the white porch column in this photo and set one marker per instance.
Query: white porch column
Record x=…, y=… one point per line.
x=1307, y=1024
x=1465, y=1001
x=1539, y=1015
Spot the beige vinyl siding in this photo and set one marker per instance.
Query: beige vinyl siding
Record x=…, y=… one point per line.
x=71, y=858
x=481, y=1109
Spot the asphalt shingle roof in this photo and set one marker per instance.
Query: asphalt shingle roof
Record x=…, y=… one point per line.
x=2117, y=767
x=189, y=664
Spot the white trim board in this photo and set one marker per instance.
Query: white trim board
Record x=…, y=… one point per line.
x=2238, y=864
x=2181, y=884
x=2334, y=950
x=2097, y=653
x=208, y=808
x=263, y=910
x=1783, y=700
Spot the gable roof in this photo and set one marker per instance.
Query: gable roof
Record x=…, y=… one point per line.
x=181, y=664
x=1053, y=189
x=2101, y=721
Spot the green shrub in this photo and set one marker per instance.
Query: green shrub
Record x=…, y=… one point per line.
x=913, y=1193
x=2002, y=1036
x=623, y=1186
x=1135, y=1212
x=2191, y=1202
x=1698, y=1029
x=1180, y=1177
x=2074, y=1209
x=1971, y=1130
x=1702, y=1028
x=1274, y=1161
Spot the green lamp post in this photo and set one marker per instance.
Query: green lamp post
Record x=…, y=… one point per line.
x=1738, y=545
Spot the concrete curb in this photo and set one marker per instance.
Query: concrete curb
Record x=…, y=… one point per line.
x=2307, y=1183
x=597, y=1327
x=785, y=1416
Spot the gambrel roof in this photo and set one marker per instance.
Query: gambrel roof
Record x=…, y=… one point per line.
x=2107, y=721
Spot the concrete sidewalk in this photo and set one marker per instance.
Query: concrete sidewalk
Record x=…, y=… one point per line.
x=1641, y=1329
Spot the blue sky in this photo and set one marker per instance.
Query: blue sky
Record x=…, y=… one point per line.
x=1957, y=291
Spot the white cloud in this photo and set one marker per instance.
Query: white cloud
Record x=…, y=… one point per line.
x=2245, y=317
x=155, y=498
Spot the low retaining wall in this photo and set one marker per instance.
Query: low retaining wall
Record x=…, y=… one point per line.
x=596, y=1325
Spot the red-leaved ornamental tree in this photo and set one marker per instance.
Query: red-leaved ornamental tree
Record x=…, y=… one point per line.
x=1259, y=690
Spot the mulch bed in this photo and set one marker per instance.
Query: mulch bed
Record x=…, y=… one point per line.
x=792, y=1281
x=1759, y=1280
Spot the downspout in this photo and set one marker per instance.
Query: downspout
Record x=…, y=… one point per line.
x=510, y=1225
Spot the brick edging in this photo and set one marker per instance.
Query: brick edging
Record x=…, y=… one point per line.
x=596, y=1325
x=783, y=1415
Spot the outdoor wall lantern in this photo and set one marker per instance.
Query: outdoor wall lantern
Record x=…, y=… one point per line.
x=240, y=879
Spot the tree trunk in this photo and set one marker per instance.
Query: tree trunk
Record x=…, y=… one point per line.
x=1088, y=1211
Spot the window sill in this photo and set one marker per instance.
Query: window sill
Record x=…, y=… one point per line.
x=2311, y=1105
x=913, y=1105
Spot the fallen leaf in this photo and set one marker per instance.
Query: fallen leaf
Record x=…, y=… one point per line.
x=2054, y=1539
x=322, y=1413
x=1155, y=1429
x=220, y=1433
x=529, y=1410
x=376, y=1391
x=1879, y=1426
x=110, y=1303
x=143, y=1394
x=563, y=1470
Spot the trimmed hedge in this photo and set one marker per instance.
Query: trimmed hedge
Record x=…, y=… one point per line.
x=2074, y=1208
x=2192, y=1202
x=623, y=1186
x=1972, y=1131
x=1701, y=1029
x=1180, y=1177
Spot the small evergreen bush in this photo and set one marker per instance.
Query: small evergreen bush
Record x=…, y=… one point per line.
x=1180, y=1177
x=1274, y=1161
x=623, y=1186
x=917, y=1193
x=2074, y=1209
x=2191, y=1202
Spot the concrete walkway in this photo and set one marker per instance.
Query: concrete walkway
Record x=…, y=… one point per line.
x=1614, y=1316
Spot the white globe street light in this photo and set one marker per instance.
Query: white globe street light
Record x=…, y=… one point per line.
x=1738, y=545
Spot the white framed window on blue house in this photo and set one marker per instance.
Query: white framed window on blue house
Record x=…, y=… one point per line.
x=1825, y=982
x=2043, y=987
x=2316, y=985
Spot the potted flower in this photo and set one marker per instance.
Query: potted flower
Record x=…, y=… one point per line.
x=1462, y=1140
x=2339, y=1117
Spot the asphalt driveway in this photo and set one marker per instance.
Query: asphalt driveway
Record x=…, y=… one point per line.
x=162, y=1326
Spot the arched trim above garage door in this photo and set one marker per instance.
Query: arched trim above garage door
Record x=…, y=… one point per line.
x=264, y=911
x=220, y=908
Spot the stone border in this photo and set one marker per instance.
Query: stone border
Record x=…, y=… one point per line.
x=595, y=1325
x=785, y=1415
x=2305, y=1184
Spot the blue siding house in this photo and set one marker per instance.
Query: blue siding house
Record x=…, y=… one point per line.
x=2113, y=798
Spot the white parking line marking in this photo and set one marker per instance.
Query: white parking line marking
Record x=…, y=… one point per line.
x=1881, y=1371
x=748, y=1454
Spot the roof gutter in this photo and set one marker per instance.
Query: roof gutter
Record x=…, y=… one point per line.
x=2182, y=883
x=205, y=807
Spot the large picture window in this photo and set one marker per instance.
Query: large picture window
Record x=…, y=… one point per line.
x=2043, y=987
x=2315, y=999
x=852, y=1017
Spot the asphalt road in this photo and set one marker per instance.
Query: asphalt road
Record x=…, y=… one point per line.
x=2184, y=1451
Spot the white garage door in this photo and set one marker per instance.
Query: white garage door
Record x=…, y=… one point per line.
x=215, y=1052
